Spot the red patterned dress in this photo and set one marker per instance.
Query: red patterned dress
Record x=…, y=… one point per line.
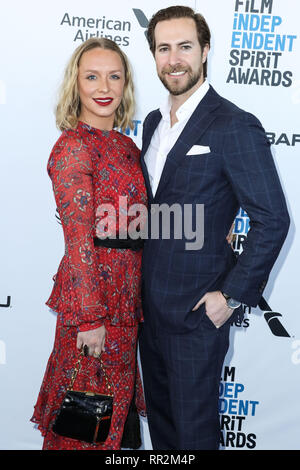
x=94, y=285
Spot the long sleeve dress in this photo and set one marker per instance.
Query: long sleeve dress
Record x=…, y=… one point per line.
x=92, y=169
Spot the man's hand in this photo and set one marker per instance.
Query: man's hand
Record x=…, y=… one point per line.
x=93, y=339
x=216, y=308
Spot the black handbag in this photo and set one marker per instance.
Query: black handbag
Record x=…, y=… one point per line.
x=85, y=416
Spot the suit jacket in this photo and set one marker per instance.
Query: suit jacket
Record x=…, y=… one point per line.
x=237, y=171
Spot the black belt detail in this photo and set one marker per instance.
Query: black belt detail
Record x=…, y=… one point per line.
x=129, y=243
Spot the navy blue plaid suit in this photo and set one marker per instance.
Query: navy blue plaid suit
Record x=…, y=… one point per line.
x=182, y=352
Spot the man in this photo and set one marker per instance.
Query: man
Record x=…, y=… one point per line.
x=199, y=148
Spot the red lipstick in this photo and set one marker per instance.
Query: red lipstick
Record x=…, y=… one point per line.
x=103, y=101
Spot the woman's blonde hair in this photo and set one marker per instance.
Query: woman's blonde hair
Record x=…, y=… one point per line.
x=68, y=107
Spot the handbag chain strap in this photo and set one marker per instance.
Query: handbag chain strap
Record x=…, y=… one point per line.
x=77, y=369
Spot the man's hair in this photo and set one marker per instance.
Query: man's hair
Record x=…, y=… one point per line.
x=68, y=107
x=180, y=12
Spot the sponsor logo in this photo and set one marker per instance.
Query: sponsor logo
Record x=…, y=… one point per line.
x=83, y=28
x=286, y=139
x=258, y=45
x=274, y=324
x=141, y=18
x=245, y=322
x=240, y=230
x=234, y=410
x=272, y=319
x=7, y=303
x=136, y=129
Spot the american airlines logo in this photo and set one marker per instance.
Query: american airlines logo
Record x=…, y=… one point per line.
x=272, y=319
x=141, y=17
x=275, y=326
x=241, y=227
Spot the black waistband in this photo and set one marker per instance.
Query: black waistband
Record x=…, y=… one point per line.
x=134, y=245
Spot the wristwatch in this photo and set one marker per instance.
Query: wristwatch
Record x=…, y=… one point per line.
x=231, y=303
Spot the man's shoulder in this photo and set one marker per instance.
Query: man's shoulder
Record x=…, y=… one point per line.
x=230, y=111
x=228, y=107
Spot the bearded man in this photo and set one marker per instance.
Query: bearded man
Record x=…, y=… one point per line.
x=199, y=149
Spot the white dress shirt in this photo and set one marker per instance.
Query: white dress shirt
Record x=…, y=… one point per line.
x=165, y=136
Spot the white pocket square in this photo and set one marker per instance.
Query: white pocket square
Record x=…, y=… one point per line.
x=198, y=150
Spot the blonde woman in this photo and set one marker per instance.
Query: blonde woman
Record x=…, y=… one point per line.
x=96, y=291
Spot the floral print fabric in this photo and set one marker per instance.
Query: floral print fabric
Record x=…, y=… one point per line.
x=93, y=285
x=90, y=168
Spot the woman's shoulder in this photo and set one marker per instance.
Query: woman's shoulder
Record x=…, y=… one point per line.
x=69, y=138
x=128, y=141
x=69, y=146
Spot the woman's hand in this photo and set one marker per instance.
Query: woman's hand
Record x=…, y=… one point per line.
x=93, y=339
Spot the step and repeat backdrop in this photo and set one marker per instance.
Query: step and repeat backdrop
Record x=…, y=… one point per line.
x=254, y=62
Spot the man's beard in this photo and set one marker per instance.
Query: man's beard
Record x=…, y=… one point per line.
x=176, y=89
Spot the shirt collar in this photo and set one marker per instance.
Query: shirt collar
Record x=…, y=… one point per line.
x=188, y=107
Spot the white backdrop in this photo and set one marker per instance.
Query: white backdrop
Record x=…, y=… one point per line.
x=259, y=393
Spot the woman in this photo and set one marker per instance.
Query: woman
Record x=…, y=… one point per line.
x=97, y=287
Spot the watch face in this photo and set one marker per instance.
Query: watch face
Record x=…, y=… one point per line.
x=232, y=303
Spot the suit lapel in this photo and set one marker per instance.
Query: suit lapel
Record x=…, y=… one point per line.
x=148, y=133
x=200, y=120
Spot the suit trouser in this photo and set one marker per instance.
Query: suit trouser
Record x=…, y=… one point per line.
x=181, y=374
